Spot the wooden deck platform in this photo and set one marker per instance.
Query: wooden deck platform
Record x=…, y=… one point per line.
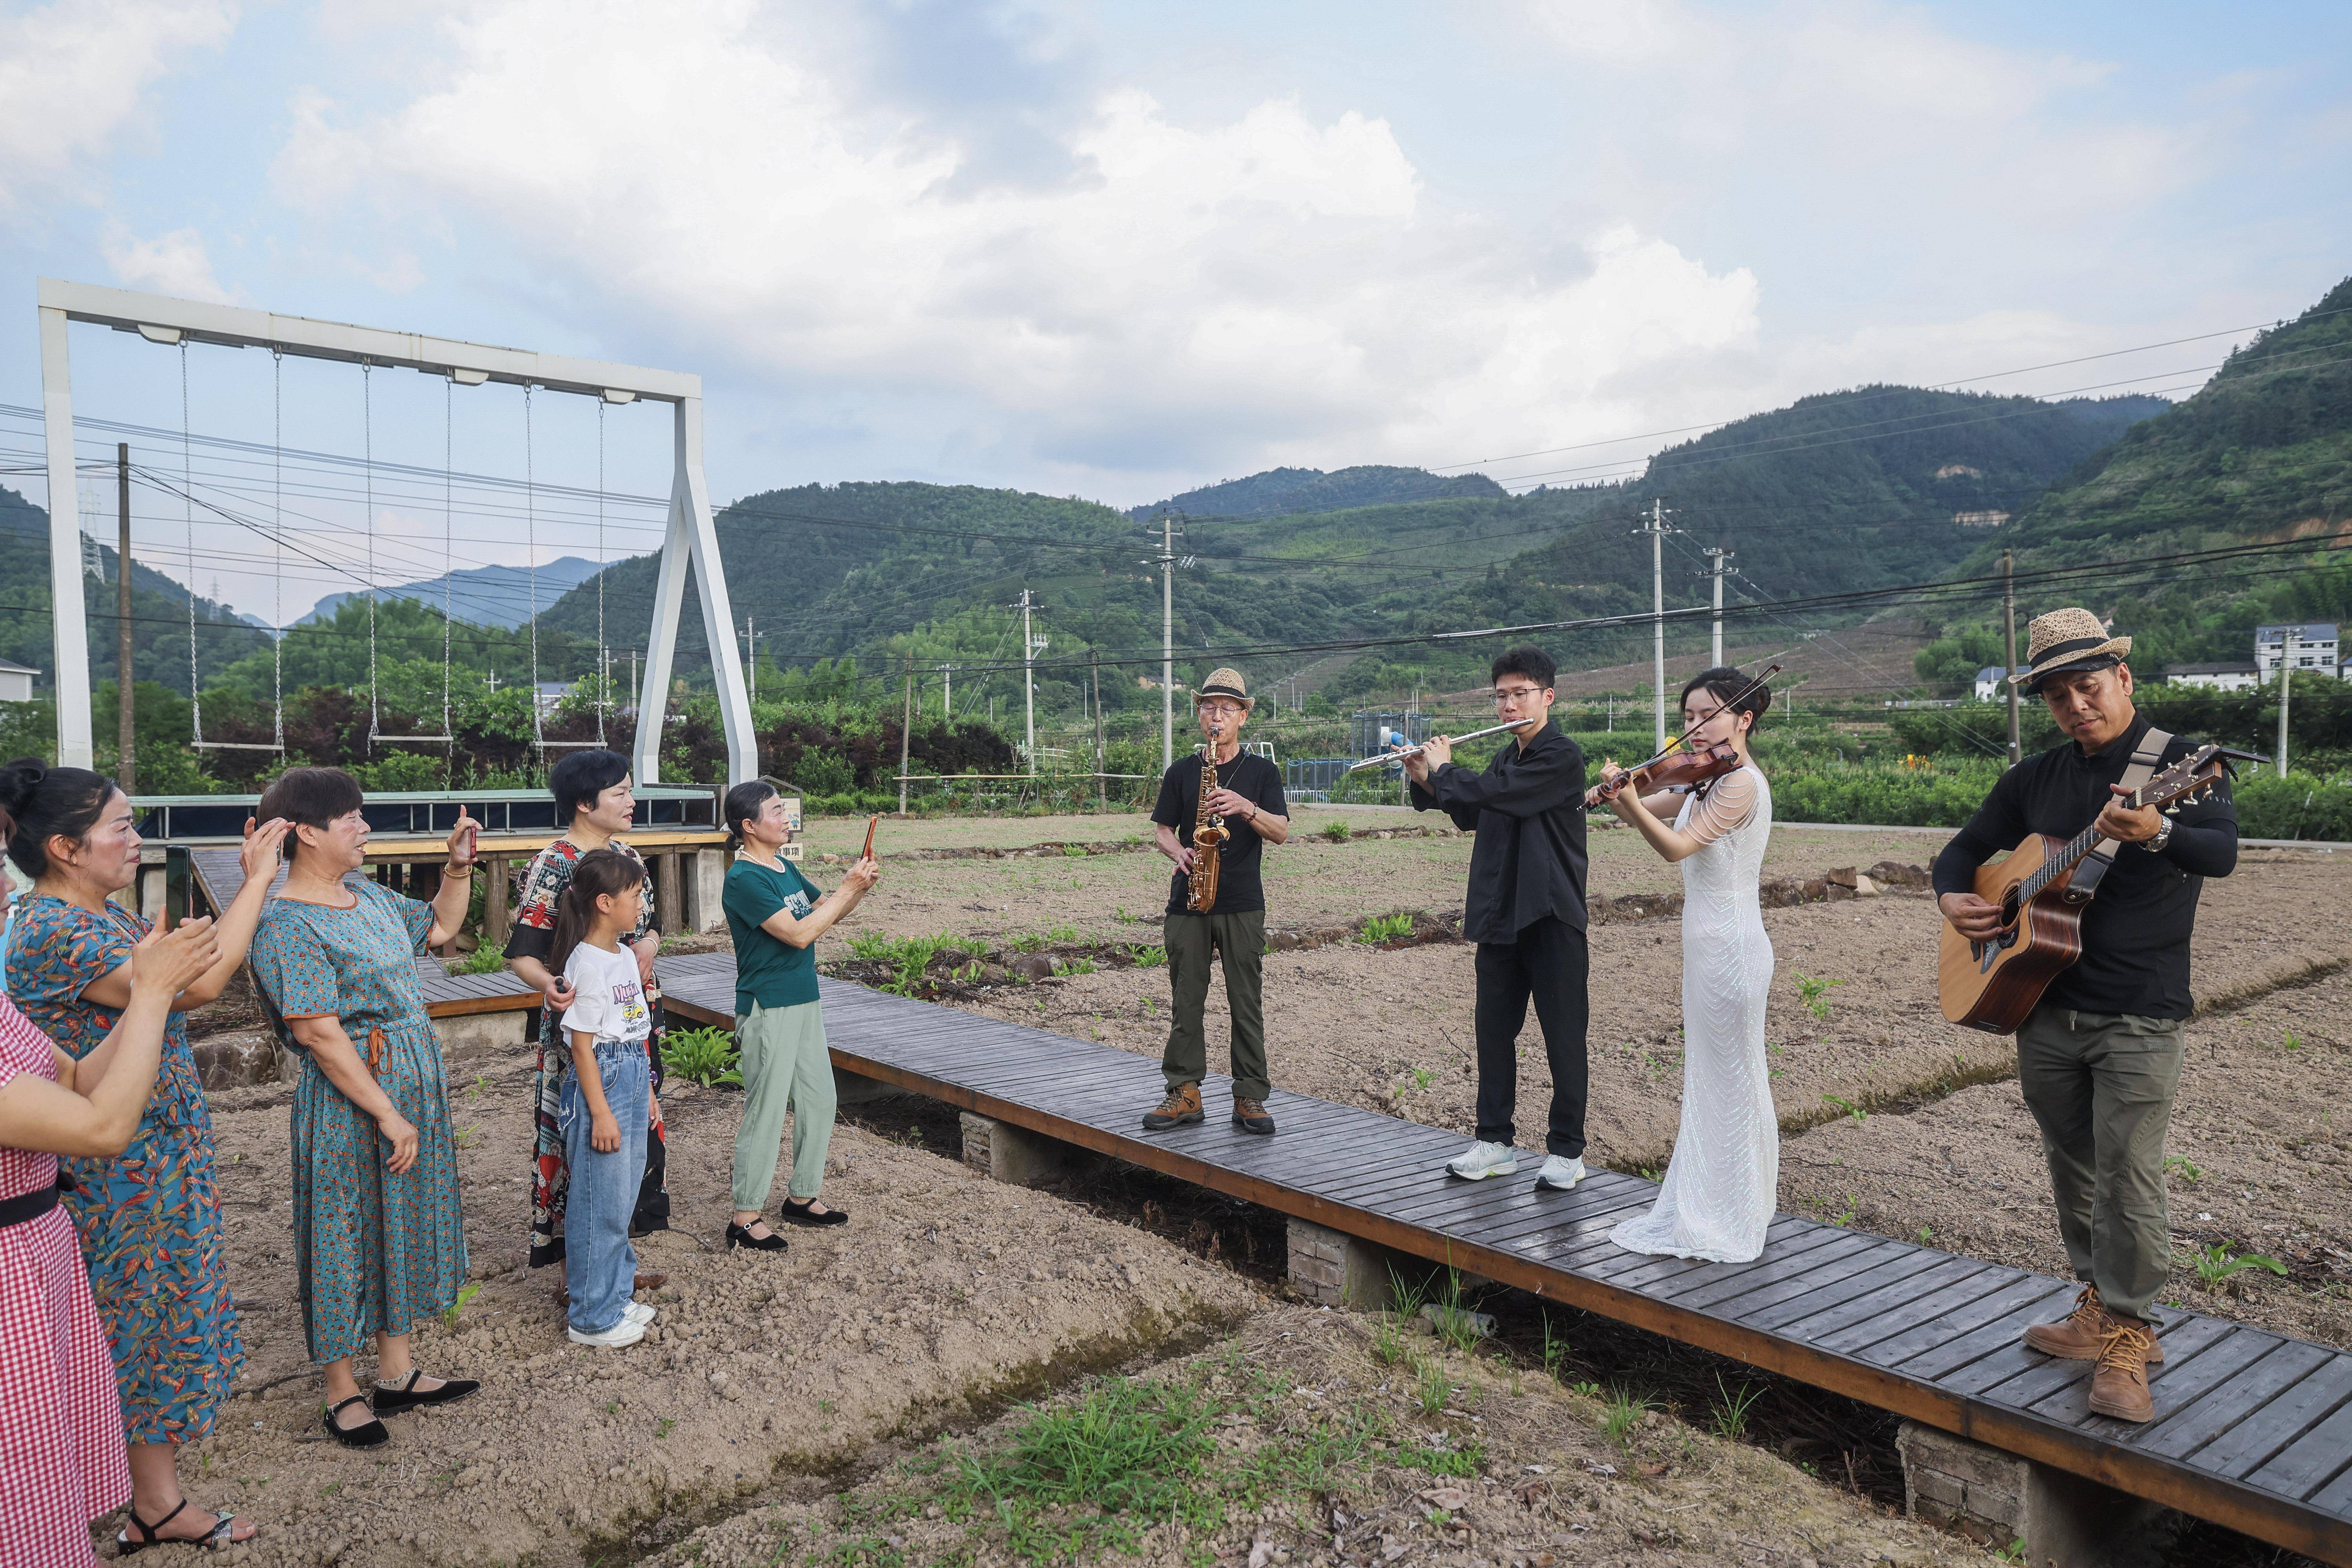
x=2253, y=1430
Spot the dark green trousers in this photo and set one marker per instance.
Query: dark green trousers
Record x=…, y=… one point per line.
x=1239, y=940
x=2100, y=1086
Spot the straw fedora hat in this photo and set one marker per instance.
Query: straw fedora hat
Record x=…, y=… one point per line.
x=1225, y=681
x=2067, y=641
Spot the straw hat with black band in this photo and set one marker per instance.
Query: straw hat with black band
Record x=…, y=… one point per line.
x=1224, y=681
x=2072, y=641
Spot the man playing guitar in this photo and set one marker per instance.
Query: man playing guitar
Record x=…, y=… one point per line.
x=2099, y=1058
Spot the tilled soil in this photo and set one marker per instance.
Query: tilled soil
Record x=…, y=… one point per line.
x=944, y=1296
x=1318, y=1447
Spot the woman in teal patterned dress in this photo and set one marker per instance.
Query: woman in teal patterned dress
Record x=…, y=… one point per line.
x=149, y=1218
x=379, y=1242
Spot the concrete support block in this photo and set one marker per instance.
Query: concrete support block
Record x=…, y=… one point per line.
x=1997, y=1499
x=706, y=883
x=1334, y=1268
x=481, y=1036
x=1003, y=1153
x=855, y=1088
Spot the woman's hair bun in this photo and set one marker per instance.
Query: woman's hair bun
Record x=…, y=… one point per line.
x=18, y=780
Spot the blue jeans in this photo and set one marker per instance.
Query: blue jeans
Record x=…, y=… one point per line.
x=600, y=1267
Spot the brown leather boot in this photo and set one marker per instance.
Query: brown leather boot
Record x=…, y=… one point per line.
x=1250, y=1116
x=2119, y=1385
x=2079, y=1335
x=1182, y=1106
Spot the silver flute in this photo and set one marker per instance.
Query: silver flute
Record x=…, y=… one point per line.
x=1385, y=758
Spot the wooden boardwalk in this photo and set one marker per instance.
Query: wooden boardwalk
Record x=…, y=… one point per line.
x=2253, y=1430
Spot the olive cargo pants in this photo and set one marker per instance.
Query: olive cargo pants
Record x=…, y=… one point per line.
x=1240, y=938
x=2101, y=1086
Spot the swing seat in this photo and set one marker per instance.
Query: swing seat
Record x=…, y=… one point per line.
x=235, y=746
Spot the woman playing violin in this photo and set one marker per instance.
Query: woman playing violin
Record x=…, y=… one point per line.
x=1718, y=1196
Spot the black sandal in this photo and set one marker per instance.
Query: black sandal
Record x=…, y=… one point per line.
x=212, y=1541
x=796, y=1212
x=740, y=1236
x=371, y=1435
x=391, y=1399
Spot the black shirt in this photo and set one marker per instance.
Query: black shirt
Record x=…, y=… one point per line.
x=2135, y=929
x=1528, y=810
x=1257, y=780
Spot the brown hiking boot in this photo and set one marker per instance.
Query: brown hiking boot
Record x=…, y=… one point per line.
x=2119, y=1385
x=1250, y=1116
x=1182, y=1106
x=2079, y=1335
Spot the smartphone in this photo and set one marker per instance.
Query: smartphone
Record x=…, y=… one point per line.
x=868, y=853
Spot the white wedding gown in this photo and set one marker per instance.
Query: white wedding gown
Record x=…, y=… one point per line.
x=1718, y=1196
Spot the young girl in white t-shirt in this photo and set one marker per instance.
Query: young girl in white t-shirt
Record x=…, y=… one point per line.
x=606, y=1086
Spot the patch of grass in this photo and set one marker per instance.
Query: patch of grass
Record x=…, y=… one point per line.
x=2179, y=1165
x=663, y=1427
x=487, y=959
x=1432, y=1387
x=1455, y=1325
x=2294, y=1041
x=706, y=1056
x=1038, y=940
x=466, y=1293
x=1624, y=1413
x=1075, y=966
x=910, y=956
x=1467, y=1460
x=1853, y=1111
x=464, y=1136
x=1337, y=832
x=1812, y=993
x=1152, y=957
x=1385, y=928
x=1556, y=1351
x=1730, y=1418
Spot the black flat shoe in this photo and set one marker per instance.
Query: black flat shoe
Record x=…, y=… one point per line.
x=797, y=1212
x=740, y=1236
x=391, y=1399
x=371, y=1435
x=215, y=1540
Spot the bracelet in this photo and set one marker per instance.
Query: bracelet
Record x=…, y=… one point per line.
x=451, y=868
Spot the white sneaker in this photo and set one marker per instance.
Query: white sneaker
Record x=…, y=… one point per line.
x=620, y=1336
x=642, y=1314
x=1483, y=1159
x=1561, y=1173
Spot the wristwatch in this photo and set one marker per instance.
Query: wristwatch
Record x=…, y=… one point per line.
x=2163, y=836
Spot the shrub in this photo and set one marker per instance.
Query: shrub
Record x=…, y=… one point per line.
x=704, y=1056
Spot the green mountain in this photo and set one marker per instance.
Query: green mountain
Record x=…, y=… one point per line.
x=1279, y=492
x=2261, y=453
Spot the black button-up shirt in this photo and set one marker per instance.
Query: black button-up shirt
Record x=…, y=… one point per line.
x=1528, y=810
x=2136, y=930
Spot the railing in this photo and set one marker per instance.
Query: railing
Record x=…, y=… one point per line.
x=190, y=818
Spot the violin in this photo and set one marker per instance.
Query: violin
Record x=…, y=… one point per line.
x=1674, y=770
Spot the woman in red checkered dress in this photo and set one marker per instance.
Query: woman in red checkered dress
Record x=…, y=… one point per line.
x=62, y=1460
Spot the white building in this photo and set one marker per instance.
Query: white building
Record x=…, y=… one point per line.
x=2225, y=677
x=16, y=682
x=2316, y=648
x=1989, y=683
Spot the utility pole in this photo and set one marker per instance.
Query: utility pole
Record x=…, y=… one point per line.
x=2288, y=638
x=1656, y=529
x=126, y=769
x=2009, y=652
x=1167, y=640
x=1718, y=557
x=946, y=691
x=1028, y=684
x=1094, y=676
x=906, y=726
x=751, y=659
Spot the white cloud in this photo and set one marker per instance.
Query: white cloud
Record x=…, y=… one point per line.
x=175, y=263
x=1273, y=287
x=72, y=76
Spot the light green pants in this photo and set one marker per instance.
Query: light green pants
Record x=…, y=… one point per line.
x=785, y=1065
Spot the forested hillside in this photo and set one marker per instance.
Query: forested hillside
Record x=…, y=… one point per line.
x=2262, y=453
x=1279, y=492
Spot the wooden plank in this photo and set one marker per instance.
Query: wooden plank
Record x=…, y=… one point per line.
x=2312, y=1459
x=1900, y=1267
x=1824, y=1265
x=1940, y=1306
x=1615, y=1201
x=1872, y=1295
x=2254, y=1441
x=2288, y=1362
x=1932, y=1345
x=2200, y=1355
x=1631, y=1271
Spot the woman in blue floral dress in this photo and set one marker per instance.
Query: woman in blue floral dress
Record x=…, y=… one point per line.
x=149, y=1218
x=379, y=1242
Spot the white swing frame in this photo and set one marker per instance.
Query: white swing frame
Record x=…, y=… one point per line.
x=690, y=539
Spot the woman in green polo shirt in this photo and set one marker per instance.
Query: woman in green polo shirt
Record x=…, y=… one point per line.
x=775, y=916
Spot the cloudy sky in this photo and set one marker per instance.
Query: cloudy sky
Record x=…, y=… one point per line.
x=1119, y=250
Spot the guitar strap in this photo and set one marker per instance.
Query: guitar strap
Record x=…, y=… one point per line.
x=2094, y=870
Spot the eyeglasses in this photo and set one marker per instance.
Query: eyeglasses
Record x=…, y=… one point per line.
x=1513, y=693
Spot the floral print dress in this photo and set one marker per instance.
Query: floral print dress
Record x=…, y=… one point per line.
x=543, y=888
x=149, y=1217
x=374, y=1252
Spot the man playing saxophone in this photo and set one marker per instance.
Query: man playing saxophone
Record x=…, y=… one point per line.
x=1217, y=808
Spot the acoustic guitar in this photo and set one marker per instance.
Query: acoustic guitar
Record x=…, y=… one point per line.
x=1993, y=985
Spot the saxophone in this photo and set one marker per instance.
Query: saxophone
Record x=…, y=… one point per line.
x=1209, y=830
